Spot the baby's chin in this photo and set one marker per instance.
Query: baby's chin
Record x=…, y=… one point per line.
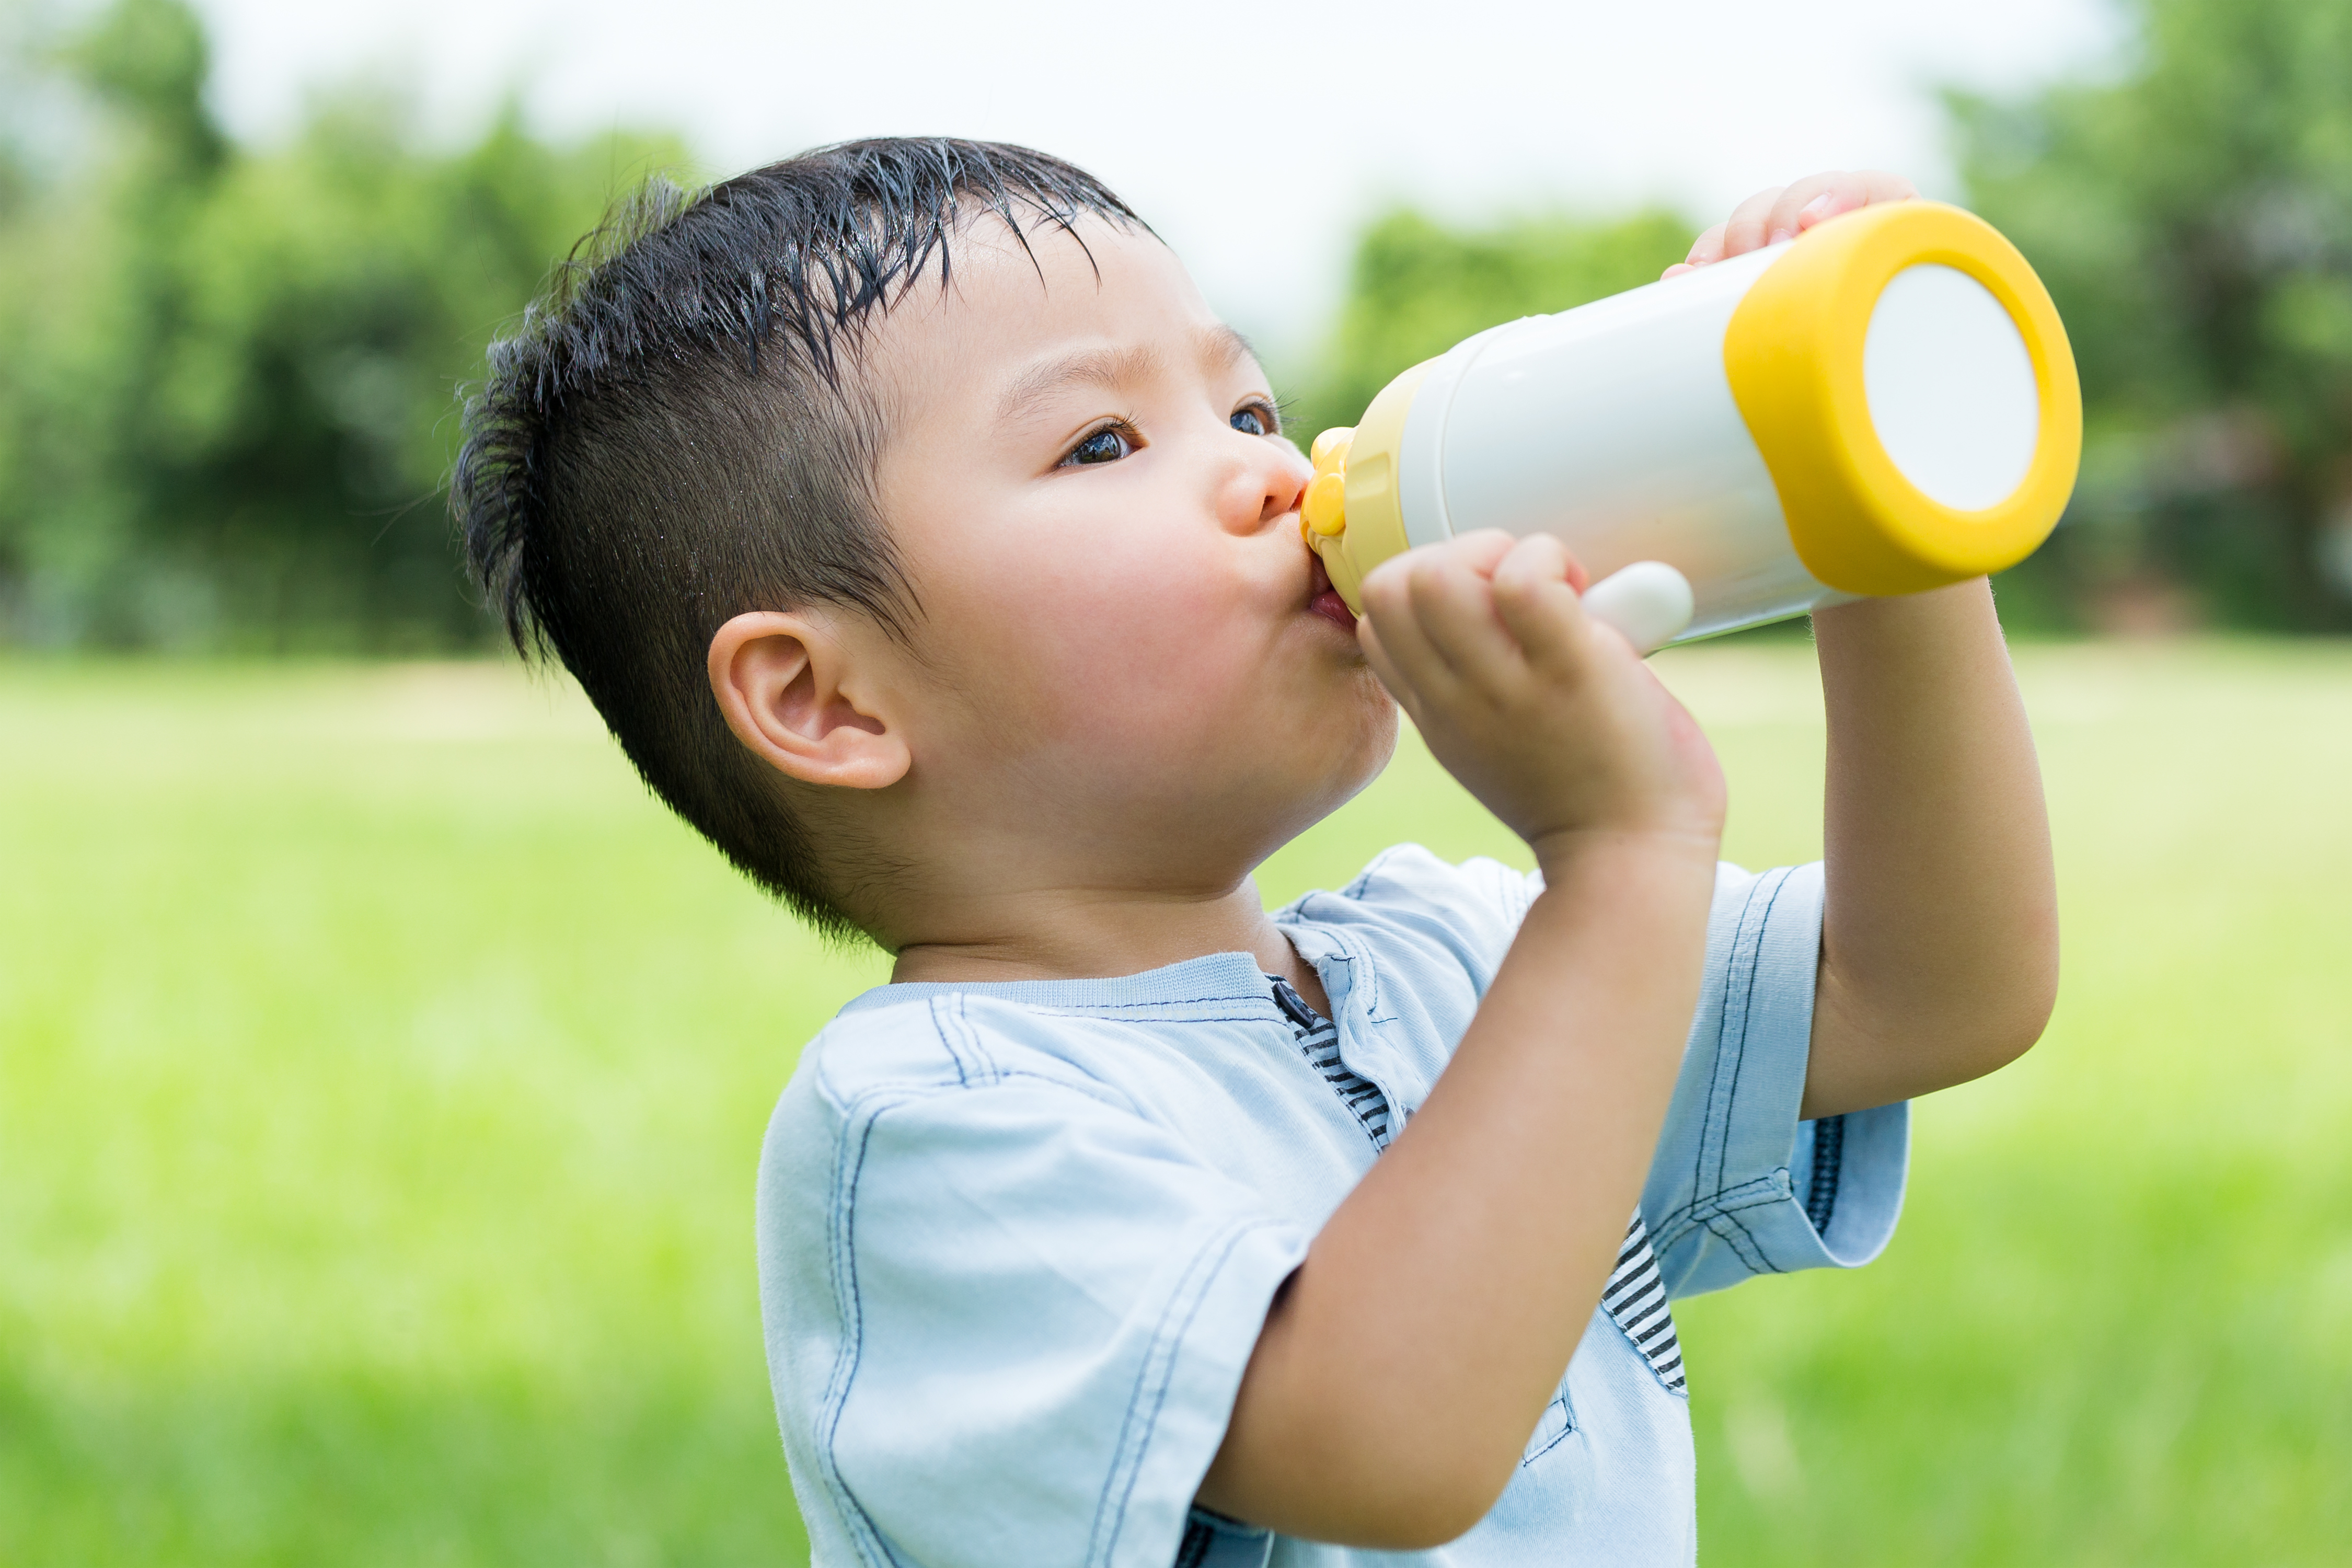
x=1277, y=754
x=1356, y=742
x=1381, y=721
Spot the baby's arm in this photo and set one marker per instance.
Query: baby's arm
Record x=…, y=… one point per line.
x=1401, y=1370
x=1940, y=931
x=1939, y=939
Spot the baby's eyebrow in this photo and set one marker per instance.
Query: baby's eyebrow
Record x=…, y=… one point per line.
x=1110, y=369
x=1222, y=348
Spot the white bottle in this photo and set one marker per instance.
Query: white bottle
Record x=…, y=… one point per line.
x=1886, y=405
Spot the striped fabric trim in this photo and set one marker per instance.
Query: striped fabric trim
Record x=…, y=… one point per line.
x=1829, y=1154
x=1318, y=1037
x=1635, y=1298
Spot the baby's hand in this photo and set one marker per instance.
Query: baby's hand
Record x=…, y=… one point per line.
x=1784, y=212
x=1544, y=714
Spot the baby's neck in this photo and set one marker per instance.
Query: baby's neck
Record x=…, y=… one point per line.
x=1093, y=933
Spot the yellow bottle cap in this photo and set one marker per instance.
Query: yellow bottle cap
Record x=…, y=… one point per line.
x=1794, y=356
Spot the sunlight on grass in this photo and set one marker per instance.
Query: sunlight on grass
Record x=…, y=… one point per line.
x=381, y=1075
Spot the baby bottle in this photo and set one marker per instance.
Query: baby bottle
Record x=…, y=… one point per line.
x=1885, y=404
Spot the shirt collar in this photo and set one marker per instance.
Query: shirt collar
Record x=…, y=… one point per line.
x=1215, y=977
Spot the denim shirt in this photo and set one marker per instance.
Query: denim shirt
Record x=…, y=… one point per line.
x=1017, y=1241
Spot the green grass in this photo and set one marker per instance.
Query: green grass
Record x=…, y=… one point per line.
x=382, y=1076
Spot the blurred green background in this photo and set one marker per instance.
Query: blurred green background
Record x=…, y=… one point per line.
x=382, y=1072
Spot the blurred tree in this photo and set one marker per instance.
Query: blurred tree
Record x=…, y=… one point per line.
x=226, y=374
x=17, y=89
x=2192, y=216
x=1417, y=288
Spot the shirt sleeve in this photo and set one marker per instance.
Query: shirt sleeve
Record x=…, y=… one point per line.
x=1046, y=1306
x=1740, y=1185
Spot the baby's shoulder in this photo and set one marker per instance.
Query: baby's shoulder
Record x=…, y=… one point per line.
x=947, y=1044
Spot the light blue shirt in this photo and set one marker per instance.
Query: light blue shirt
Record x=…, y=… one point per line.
x=1016, y=1241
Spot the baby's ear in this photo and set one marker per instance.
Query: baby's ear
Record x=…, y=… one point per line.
x=798, y=689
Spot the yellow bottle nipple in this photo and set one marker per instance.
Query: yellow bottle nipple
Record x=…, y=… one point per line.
x=1323, y=513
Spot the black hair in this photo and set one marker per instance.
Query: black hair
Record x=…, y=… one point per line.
x=673, y=436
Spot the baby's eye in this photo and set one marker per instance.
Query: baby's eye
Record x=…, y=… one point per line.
x=1108, y=445
x=1254, y=419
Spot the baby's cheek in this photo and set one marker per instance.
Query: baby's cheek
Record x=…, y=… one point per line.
x=1162, y=652
x=1158, y=667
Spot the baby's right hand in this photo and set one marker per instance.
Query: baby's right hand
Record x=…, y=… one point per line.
x=1546, y=715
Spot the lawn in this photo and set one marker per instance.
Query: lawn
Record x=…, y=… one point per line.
x=381, y=1075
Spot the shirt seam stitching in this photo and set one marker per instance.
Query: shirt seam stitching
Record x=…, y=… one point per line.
x=1758, y=1192
x=849, y=1165
x=1191, y=1294
x=1747, y=953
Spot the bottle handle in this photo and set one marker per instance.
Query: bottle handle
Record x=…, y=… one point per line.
x=1648, y=603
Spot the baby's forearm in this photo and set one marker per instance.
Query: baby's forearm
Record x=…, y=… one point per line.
x=1399, y=1375
x=1940, y=946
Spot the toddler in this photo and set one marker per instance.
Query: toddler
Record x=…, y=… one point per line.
x=930, y=546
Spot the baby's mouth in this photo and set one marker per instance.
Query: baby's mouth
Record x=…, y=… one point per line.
x=1322, y=599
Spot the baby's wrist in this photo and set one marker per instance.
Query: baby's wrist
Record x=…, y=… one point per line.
x=1902, y=614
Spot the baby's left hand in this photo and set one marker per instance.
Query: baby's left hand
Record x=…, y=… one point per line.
x=1784, y=212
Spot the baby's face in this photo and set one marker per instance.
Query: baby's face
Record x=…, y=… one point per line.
x=1125, y=639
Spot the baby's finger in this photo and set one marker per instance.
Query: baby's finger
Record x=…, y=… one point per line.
x=1884, y=185
x=1544, y=554
x=1478, y=550
x=1840, y=193
x=1849, y=191
x=1706, y=248
x=1389, y=611
x=1536, y=598
x=1743, y=230
x=1825, y=195
x=1454, y=606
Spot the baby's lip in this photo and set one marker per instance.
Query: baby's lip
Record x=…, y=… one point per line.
x=1322, y=599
